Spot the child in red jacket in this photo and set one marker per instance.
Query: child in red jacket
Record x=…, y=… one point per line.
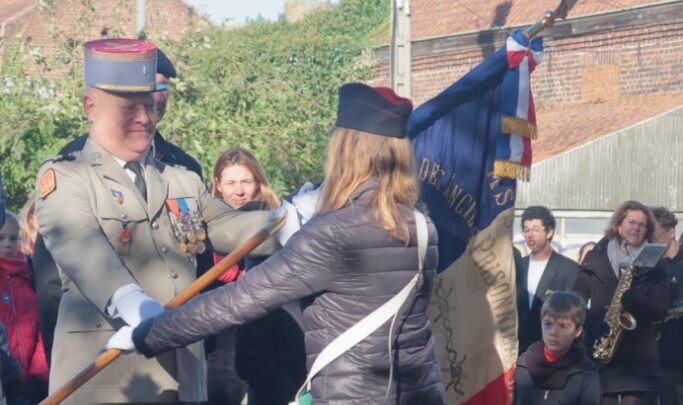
x=19, y=314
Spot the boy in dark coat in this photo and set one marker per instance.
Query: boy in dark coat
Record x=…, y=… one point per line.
x=556, y=370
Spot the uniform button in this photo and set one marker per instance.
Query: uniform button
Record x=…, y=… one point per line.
x=191, y=259
x=124, y=216
x=164, y=249
x=174, y=274
x=155, y=225
x=98, y=323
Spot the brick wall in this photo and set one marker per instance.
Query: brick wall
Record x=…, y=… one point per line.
x=636, y=60
x=68, y=22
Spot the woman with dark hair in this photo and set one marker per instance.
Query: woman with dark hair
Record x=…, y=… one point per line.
x=632, y=376
x=356, y=254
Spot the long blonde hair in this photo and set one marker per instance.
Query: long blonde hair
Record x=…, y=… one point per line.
x=28, y=228
x=354, y=157
x=241, y=157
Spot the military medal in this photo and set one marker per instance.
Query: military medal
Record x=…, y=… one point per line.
x=174, y=213
x=201, y=233
x=124, y=236
x=184, y=216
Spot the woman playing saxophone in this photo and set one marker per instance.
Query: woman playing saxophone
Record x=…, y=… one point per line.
x=614, y=289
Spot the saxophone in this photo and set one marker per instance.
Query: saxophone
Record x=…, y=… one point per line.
x=617, y=319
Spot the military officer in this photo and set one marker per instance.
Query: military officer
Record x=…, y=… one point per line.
x=124, y=229
x=48, y=284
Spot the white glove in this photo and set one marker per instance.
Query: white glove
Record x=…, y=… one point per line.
x=122, y=340
x=292, y=224
x=131, y=304
x=306, y=201
x=304, y=206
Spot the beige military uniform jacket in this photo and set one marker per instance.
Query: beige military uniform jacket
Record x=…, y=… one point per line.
x=82, y=219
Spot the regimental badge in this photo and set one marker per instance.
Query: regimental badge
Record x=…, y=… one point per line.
x=47, y=183
x=187, y=225
x=118, y=196
x=6, y=298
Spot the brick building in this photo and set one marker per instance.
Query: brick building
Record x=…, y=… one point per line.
x=57, y=25
x=607, y=97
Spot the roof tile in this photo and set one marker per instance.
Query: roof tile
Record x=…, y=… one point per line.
x=587, y=121
x=434, y=18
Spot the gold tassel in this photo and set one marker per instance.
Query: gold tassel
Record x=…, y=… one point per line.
x=517, y=126
x=512, y=170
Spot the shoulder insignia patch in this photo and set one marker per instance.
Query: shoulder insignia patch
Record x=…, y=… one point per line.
x=47, y=183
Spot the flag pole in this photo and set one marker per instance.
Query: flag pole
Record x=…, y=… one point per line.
x=549, y=18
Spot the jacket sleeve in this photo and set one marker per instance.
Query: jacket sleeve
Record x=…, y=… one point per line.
x=303, y=267
x=69, y=226
x=582, y=284
x=647, y=299
x=10, y=371
x=228, y=228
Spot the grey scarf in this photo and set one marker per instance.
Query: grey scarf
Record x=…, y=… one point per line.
x=619, y=259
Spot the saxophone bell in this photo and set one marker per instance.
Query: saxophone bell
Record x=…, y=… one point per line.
x=627, y=321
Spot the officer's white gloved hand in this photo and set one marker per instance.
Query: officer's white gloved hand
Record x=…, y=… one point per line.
x=131, y=304
x=306, y=201
x=122, y=340
x=302, y=208
x=292, y=224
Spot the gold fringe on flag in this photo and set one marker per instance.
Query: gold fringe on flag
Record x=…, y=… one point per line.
x=517, y=126
x=512, y=170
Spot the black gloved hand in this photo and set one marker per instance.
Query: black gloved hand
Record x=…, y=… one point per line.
x=632, y=300
x=599, y=329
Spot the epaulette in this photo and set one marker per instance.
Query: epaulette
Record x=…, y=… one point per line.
x=61, y=158
x=178, y=166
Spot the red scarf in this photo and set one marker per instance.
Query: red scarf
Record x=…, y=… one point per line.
x=15, y=266
x=550, y=357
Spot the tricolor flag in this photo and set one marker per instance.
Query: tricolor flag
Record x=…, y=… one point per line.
x=472, y=142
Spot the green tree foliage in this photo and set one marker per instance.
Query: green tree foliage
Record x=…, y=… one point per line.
x=268, y=87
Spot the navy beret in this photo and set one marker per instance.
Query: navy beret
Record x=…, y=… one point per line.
x=376, y=110
x=164, y=65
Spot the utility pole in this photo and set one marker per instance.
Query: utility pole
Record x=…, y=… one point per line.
x=140, y=16
x=400, y=47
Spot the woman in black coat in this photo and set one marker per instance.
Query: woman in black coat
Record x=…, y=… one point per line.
x=634, y=371
x=353, y=256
